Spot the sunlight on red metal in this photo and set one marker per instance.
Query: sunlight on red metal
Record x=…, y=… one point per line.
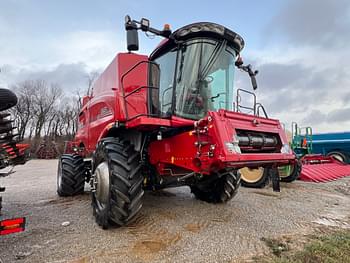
x=324, y=172
x=10, y=226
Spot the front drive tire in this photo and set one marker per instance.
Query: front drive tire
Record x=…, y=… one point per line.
x=290, y=172
x=221, y=190
x=70, y=175
x=117, y=182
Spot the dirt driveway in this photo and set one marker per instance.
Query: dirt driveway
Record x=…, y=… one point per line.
x=172, y=227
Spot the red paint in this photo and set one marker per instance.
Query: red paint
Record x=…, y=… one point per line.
x=10, y=226
x=180, y=150
x=108, y=94
x=111, y=105
x=318, y=168
x=21, y=147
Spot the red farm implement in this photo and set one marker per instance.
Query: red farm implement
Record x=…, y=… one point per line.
x=318, y=167
x=11, y=154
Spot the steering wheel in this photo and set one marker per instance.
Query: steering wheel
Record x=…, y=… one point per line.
x=195, y=103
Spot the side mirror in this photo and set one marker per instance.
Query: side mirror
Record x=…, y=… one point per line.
x=253, y=80
x=249, y=70
x=132, y=36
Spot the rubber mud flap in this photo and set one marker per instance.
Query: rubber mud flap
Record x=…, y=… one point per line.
x=275, y=180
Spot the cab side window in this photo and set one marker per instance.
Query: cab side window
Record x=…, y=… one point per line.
x=167, y=64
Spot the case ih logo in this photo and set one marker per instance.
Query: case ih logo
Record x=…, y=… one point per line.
x=103, y=112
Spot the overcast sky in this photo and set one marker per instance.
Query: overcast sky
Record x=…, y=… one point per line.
x=301, y=47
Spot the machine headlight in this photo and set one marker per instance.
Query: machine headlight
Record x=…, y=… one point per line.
x=286, y=148
x=232, y=147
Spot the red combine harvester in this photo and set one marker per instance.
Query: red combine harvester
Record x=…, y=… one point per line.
x=11, y=154
x=167, y=120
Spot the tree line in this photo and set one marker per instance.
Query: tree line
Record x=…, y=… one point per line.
x=44, y=109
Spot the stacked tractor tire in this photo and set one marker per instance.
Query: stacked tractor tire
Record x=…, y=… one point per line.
x=10, y=154
x=7, y=100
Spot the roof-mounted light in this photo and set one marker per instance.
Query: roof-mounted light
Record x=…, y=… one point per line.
x=166, y=27
x=144, y=24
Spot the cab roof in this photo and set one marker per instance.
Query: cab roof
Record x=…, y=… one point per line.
x=200, y=29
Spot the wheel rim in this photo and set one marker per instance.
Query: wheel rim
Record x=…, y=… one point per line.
x=338, y=157
x=101, y=184
x=251, y=175
x=285, y=171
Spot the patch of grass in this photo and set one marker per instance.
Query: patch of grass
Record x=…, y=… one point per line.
x=276, y=246
x=331, y=248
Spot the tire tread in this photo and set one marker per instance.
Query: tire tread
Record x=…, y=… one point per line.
x=73, y=175
x=125, y=182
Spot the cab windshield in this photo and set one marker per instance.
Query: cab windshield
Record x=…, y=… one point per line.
x=203, y=81
x=204, y=78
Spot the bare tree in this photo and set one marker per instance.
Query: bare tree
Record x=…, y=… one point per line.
x=45, y=100
x=43, y=109
x=23, y=110
x=91, y=77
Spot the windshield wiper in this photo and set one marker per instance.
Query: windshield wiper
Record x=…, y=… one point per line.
x=201, y=72
x=183, y=49
x=212, y=59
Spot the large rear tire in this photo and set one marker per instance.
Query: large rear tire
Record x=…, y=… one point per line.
x=70, y=175
x=290, y=173
x=117, y=182
x=221, y=190
x=255, y=178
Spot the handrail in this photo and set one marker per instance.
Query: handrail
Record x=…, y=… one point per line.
x=257, y=107
x=135, y=66
x=138, y=89
x=260, y=106
x=238, y=100
x=125, y=96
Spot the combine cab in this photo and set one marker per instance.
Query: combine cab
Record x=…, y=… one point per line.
x=168, y=120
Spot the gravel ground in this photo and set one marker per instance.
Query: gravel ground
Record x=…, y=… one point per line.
x=172, y=226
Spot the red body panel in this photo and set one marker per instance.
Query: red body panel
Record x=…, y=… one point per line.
x=181, y=150
x=106, y=104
